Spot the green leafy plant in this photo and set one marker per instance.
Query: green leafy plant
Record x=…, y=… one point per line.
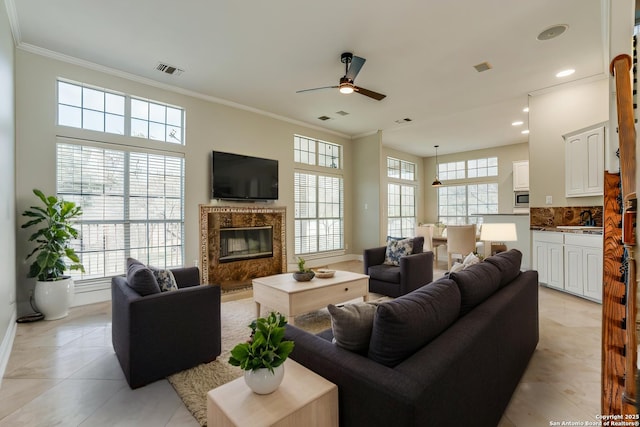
x=266, y=347
x=301, y=267
x=53, y=237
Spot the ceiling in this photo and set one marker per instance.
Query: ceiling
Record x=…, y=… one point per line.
x=420, y=54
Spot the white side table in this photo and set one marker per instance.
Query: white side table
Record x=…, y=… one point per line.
x=303, y=399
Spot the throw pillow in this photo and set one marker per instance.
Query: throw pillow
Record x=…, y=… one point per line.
x=508, y=263
x=408, y=323
x=397, y=249
x=140, y=278
x=352, y=324
x=470, y=260
x=476, y=284
x=165, y=279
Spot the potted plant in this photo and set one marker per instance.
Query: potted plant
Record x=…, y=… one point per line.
x=303, y=274
x=54, y=290
x=262, y=357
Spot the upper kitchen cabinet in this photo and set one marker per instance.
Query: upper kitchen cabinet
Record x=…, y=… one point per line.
x=584, y=161
x=521, y=175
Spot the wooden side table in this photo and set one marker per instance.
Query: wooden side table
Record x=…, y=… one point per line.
x=303, y=398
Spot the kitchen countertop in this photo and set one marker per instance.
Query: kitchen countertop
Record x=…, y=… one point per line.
x=591, y=230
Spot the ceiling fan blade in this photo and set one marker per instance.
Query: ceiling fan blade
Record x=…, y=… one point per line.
x=371, y=94
x=354, y=68
x=317, y=88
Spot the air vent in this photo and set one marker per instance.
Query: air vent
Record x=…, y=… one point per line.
x=483, y=66
x=169, y=69
x=342, y=113
x=324, y=118
x=405, y=120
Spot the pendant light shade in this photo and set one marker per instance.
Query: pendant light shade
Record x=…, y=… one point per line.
x=436, y=182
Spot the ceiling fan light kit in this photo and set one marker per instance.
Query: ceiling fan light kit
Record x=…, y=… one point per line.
x=352, y=66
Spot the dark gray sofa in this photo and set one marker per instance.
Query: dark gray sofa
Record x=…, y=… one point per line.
x=464, y=375
x=160, y=334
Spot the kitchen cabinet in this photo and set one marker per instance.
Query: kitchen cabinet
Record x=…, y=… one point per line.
x=548, y=258
x=583, y=265
x=584, y=163
x=569, y=262
x=521, y=175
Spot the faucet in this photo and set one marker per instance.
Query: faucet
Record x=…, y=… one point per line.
x=589, y=221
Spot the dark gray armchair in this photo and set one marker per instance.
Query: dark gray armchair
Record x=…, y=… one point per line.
x=163, y=333
x=414, y=271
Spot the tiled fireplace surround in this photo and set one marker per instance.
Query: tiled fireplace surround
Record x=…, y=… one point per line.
x=239, y=273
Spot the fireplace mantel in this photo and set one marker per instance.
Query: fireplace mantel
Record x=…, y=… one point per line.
x=240, y=273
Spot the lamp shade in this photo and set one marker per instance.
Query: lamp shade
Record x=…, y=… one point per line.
x=502, y=232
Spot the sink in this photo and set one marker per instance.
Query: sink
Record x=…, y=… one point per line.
x=577, y=227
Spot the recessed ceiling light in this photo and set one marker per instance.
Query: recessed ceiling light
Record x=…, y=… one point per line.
x=518, y=123
x=552, y=32
x=525, y=110
x=525, y=132
x=565, y=73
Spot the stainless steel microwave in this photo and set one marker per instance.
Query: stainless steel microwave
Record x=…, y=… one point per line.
x=520, y=199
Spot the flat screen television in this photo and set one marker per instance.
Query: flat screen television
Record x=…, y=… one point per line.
x=239, y=177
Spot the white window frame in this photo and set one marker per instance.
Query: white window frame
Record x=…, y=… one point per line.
x=454, y=211
x=401, y=197
x=115, y=183
x=164, y=119
x=318, y=197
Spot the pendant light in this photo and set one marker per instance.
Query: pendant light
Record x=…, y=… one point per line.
x=436, y=182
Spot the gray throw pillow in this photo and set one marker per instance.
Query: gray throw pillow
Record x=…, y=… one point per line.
x=140, y=278
x=508, y=263
x=352, y=324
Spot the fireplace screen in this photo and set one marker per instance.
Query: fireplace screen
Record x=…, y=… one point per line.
x=245, y=243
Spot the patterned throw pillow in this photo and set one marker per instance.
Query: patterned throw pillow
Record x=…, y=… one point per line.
x=165, y=279
x=397, y=249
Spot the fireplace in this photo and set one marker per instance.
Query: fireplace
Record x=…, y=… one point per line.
x=240, y=243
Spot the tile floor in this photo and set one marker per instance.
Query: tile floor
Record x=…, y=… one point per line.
x=65, y=373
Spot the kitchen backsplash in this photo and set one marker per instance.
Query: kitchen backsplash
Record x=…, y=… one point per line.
x=553, y=217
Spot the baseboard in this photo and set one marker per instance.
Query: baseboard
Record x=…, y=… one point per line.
x=7, y=344
x=91, y=296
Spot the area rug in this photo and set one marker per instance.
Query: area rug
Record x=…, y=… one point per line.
x=193, y=384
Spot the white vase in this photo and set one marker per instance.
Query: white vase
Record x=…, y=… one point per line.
x=262, y=381
x=54, y=297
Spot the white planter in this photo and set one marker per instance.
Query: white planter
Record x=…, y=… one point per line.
x=262, y=381
x=53, y=298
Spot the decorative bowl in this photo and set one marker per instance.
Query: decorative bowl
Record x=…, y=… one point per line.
x=303, y=276
x=324, y=273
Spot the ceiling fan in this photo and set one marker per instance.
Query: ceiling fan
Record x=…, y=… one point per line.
x=352, y=66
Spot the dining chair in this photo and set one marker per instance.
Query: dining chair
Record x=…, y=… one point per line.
x=461, y=240
x=426, y=231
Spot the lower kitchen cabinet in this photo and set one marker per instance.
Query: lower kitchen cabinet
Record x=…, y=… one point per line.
x=569, y=262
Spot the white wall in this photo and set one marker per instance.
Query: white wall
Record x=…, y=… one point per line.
x=7, y=191
x=210, y=126
x=552, y=115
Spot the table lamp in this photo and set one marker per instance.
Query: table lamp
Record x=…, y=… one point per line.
x=497, y=234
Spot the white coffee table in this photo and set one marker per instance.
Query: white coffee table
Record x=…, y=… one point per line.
x=283, y=293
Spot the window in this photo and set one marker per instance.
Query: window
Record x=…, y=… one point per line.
x=480, y=168
x=85, y=107
x=452, y=170
x=132, y=202
x=461, y=204
x=401, y=169
x=401, y=198
x=476, y=168
x=319, y=196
